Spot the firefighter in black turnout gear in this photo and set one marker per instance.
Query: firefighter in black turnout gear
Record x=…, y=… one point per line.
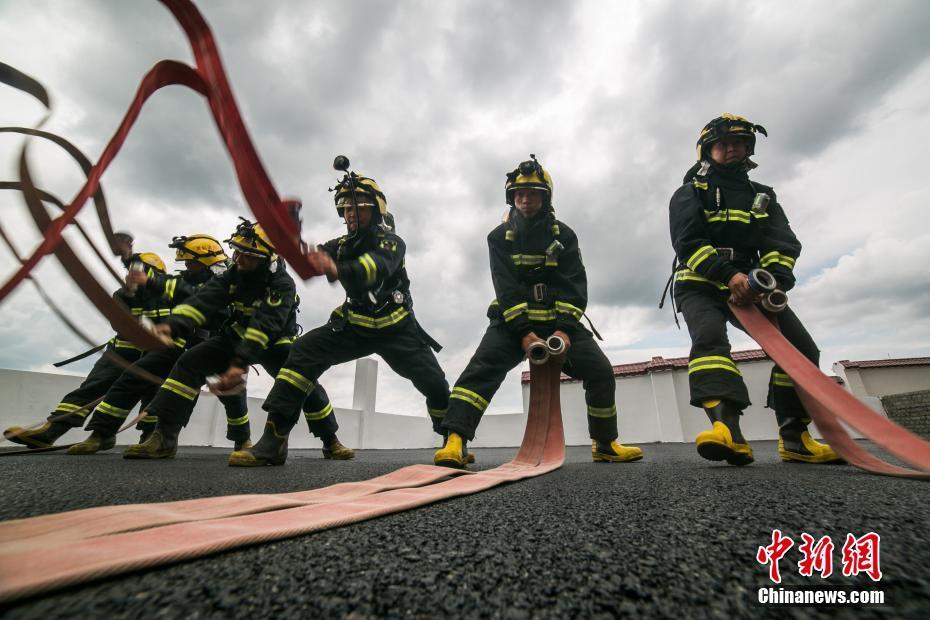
x=203, y=258
x=376, y=317
x=118, y=355
x=542, y=290
x=262, y=326
x=722, y=226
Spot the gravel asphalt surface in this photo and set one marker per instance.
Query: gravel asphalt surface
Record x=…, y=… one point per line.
x=672, y=536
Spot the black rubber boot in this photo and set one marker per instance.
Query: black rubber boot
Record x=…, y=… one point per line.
x=42, y=437
x=161, y=444
x=271, y=449
x=97, y=442
x=796, y=445
x=725, y=441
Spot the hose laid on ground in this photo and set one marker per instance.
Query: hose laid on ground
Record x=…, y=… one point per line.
x=54, y=551
x=828, y=403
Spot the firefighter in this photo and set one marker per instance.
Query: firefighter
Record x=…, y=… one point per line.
x=118, y=354
x=721, y=230
x=376, y=317
x=203, y=258
x=541, y=289
x=260, y=330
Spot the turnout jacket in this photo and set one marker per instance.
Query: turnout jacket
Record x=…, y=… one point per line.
x=538, y=276
x=175, y=289
x=143, y=302
x=716, y=234
x=262, y=308
x=371, y=269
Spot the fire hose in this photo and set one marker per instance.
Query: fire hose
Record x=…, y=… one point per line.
x=45, y=553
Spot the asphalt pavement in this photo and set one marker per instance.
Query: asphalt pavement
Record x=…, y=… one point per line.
x=672, y=536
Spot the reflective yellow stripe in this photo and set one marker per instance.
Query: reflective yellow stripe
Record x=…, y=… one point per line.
x=256, y=335
x=240, y=331
x=689, y=276
x=776, y=257
x=237, y=421
x=375, y=322
x=67, y=407
x=190, y=312
x=170, y=287
x=240, y=307
x=437, y=413
x=528, y=259
x=541, y=315
x=473, y=399
x=555, y=230
x=699, y=184
x=782, y=380
x=179, y=342
x=508, y=235
x=157, y=312
x=285, y=340
x=700, y=256
x=179, y=388
x=729, y=215
x=602, y=412
x=567, y=308
x=712, y=362
x=296, y=379
x=514, y=312
x=321, y=414
x=124, y=344
x=371, y=269
x=151, y=419
x=110, y=410
x=135, y=311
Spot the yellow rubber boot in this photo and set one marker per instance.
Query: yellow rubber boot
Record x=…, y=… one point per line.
x=42, y=437
x=453, y=453
x=242, y=445
x=271, y=449
x=724, y=441
x=614, y=452
x=161, y=444
x=795, y=444
x=336, y=451
x=97, y=442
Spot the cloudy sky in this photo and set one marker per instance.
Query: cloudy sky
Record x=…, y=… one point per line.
x=438, y=100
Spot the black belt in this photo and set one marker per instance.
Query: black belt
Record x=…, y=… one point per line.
x=736, y=256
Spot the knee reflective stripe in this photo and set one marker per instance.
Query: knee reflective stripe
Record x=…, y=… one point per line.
x=437, y=413
x=190, y=312
x=567, y=308
x=602, y=412
x=371, y=269
x=296, y=379
x=150, y=419
x=475, y=400
x=321, y=414
x=700, y=256
x=176, y=387
x=712, y=362
x=256, y=335
x=237, y=421
x=782, y=380
x=110, y=410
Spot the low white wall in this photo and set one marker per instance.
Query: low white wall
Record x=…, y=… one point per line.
x=878, y=382
x=652, y=408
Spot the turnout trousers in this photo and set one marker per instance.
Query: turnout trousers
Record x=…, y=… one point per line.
x=174, y=401
x=712, y=373
x=403, y=346
x=102, y=376
x=500, y=350
x=131, y=389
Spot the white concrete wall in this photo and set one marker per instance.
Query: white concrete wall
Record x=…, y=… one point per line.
x=653, y=407
x=878, y=382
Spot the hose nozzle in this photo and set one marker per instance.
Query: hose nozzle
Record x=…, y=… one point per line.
x=555, y=345
x=538, y=353
x=761, y=281
x=775, y=301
